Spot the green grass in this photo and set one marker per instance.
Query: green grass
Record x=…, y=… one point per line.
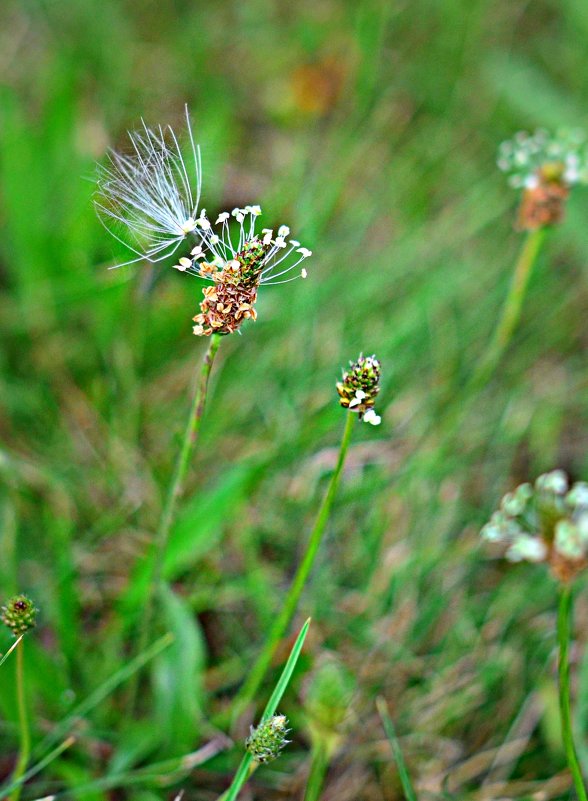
x=370, y=128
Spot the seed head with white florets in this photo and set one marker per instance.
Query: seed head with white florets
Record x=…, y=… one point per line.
x=152, y=193
x=238, y=260
x=545, y=166
x=359, y=387
x=544, y=522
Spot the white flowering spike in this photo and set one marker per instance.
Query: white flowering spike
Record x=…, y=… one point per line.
x=236, y=241
x=544, y=522
x=525, y=156
x=153, y=192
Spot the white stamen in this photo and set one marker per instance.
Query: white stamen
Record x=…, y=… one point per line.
x=372, y=418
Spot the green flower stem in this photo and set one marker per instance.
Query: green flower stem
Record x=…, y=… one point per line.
x=277, y=631
x=318, y=770
x=248, y=765
x=563, y=638
x=174, y=491
x=23, y=723
x=511, y=311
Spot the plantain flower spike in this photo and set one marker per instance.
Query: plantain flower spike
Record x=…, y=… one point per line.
x=266, y=742
x=149, y=199
x=545, y=522
x=19, y=614
x=237, y=259
x=545, y=167
x=359, y=387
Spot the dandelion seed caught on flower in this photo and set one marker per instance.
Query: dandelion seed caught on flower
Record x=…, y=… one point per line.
x=148, y=198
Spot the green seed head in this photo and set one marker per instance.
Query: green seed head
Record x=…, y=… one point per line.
x=19, y=614
x=267, y=740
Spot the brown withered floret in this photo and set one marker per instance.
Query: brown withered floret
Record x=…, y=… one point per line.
x=231, y=298
x=544, y=204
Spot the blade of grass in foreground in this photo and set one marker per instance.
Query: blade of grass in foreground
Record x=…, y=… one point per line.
x=405, y=779
x=10, y=650
x=107, y=687
x=41, y=765
x=248, y=765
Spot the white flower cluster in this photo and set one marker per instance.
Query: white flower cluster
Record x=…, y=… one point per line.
x=533, y=520
x=280, y=254
x=565, y=154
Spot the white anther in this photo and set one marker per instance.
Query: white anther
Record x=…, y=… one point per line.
x=372, y=418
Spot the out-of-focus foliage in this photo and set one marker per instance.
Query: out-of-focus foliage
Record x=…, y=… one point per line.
x=371, y=127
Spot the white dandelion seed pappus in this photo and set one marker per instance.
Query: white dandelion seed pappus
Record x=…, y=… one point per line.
x=222, y=247
x=152, y=192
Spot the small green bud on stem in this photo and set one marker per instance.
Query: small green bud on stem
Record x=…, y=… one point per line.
x=267, y=740
x=19, y=614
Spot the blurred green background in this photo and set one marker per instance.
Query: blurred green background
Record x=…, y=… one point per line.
x=371, y=129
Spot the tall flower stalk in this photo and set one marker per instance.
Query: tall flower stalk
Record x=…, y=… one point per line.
x=548, y=523
x=545, y=167
x=565, y=706
x=149, y=200
x=19, y=615
x=511, y=310
x=357, y=392
x=174, y=491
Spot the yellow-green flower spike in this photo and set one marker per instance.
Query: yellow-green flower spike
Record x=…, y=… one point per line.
x=267, y=740
x=19, y=614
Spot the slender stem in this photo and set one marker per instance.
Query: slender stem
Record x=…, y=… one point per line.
x=277, y=631
x=563, y=637
x=511, y=310
x=245, y=770
x=11, y=649
x=23, y=723
x=173, y=493
x=318, y=770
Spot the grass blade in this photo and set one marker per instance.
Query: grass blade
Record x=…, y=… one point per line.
x=396, y=750
x=247, y=765
x=10, y=650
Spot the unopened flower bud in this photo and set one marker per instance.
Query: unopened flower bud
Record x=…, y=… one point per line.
x=267, y=740
x=19, y=614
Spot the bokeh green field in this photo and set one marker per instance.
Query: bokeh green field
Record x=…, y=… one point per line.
x=371, y=128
